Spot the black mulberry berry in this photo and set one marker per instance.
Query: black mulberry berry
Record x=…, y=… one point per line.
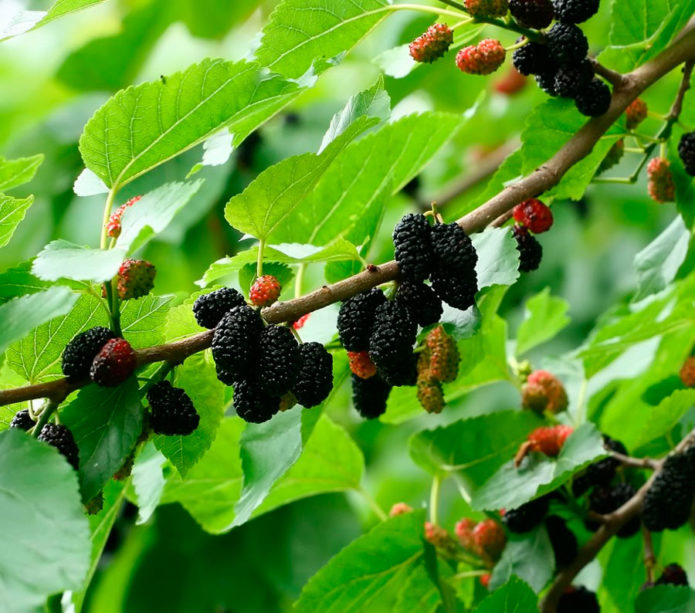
x=453, y=249
x=22, y=420
x=252, y=404
x=537, y=14
x=567, y=43
x=673, y=575
x=686, y=151
x=601, y=472
x=562, y=539
x=533, y=58
x=594, y=100
x=527, y=516
x=573, y=78
x=669, y=499
x=171, y=410
x=530, y=250
x=81, y=351
x=578, y=600
x=210, y=308
x=606, y=499
x=575, y=11
x=278, y=360
x=356, y=317
x=391, y=343
x=315, y=378
x=546, y=82
x=62, y=439
x=370, y=395
x=411, y=241
x=421, y=301
x=457, y=290
x=235, y=344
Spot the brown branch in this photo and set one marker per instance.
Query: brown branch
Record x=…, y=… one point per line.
x=616, y=79
x=611, y=525
x=635, y=462
x=542, y=179
x=649, y=557
x=677, y=106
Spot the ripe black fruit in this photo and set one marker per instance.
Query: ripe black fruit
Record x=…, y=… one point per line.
x=370, y=395
x=171, y=410
x=82, y=349
x=314, y=380
x=413, y=249
x=210, y=308
x=235, y=344
x=356, y=317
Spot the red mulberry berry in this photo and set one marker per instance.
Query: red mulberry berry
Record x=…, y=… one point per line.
x=430, y=395
x=361, y=364
x=114, y=363
x=135, y=279
x=81, y=351
x=464, y=532
x=433, y=44
x=487, y=8
x=661, y=186
x=535, y=215
x=547, y=440
x=489, y=539
x=264, y=291
x=113, y=227
x=542, y=392
x=687, y=372
x=400, y=508
x=481, y=59
x=441, y=355
x=636, y=113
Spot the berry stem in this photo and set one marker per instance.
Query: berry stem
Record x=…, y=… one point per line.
x=469, y=574
x=48, y=410
x=108, y=205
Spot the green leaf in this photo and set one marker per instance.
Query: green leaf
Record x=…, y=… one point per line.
x=545, y=317
x=16, y=21
x=662, y=418
x=19, y=281
x=21, y=315
x=515, y=596
x=106, y=423
x=63, y=260
x=370, y=572
x=548, y=128
x=143, y=320
x=153, y=213
x=197, y=15
x=19, y=171
x=658, y=263
x=637, y=20
x=527, y=556
x=306, y=33
x=498, y=257
x=143, y=126
x=148, y=481
x=330, y=462
x=511, y=487
x=474, y=449
x=200, y=382
x=213, y=486
x=666, y=599
x=12, y=212
x=271, y=197
x=37, y=356
x=373, y=102
x=44, y=540
x=363, y=176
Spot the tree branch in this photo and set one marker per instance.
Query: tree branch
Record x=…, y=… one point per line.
x=545, y=177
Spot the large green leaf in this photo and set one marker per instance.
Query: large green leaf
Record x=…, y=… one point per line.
x=213, y=486
x=15, y=21
x=663, y=417
x=200, y=382
x=545, y=317
x=44, y=536
x=370, y=572
x=21, y=315
x=278, y=190
x=666, y=599
x=330, y=462
x=106, y=423
x=514, y=596
x=19, y=171
x=472, y=448
x=528, y=556
x=12, y=211
x=143, y=126
x=634, y=21
x=302, y=33
x=61, y=259
x=511, y=487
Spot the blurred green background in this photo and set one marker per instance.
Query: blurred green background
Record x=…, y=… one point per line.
x=54, y=79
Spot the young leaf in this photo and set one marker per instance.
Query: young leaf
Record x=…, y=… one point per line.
x=45, y=536
x=143, y=126
x=512, y=597
x=106, y=423
x=301, y=31
x=153, y=213
x=37, y=356
x=370, y=572
x=207, y=393
x=19, y=171
x=545, y=317
x=511, y=487
x=12, y=211
x=21, y=315
x=498, y=257
x=63, y=260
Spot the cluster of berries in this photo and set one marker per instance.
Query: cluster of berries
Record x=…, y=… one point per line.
x=269, y=370
x=379, y=334
x=532, y=217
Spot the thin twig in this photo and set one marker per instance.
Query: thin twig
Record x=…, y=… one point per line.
x=636, y=462
x=614, y=78
x=649, y=557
